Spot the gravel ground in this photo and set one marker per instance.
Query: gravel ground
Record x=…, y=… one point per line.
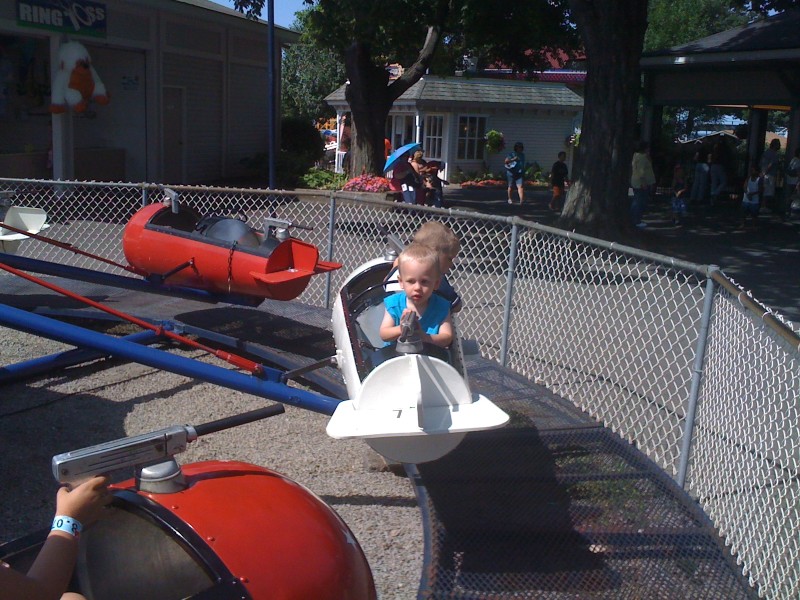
x=108, y=399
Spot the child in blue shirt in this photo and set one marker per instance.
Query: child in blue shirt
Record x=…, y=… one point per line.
x=419, y=274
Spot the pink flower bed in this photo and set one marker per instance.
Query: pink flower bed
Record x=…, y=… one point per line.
x=495, y=183
x=367, y=183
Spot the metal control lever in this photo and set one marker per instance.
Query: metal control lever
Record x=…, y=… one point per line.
x=145, y=449
x=410, y=340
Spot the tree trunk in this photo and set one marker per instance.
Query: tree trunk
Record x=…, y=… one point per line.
x=367, y=93
x=613, y=36
x=371, y=98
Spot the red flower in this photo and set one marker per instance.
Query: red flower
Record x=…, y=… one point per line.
x=367, y=183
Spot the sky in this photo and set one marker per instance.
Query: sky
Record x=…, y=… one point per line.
x=284, y=10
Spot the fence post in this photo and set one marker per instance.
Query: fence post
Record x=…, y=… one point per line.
x=512, y=263
x=331, y=229
x=145, y=190
x=697, y=375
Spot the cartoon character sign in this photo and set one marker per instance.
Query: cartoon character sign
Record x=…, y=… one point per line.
x=76, y=81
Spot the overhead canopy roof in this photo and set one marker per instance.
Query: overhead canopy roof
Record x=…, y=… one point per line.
x=756, y=65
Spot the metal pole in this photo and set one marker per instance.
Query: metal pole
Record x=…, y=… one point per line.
x=159, y=359
x=512, y=263
x=273, y=147
x=697, y=375
x=331, y=228
x=68, y=358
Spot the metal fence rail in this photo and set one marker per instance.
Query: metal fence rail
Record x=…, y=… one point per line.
x=673, y=357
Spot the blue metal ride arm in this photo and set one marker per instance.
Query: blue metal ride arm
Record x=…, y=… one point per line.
x=68, y=358
x=121, y=281
x=159, y=359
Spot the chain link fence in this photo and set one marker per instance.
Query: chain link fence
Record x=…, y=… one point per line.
x=672, y=356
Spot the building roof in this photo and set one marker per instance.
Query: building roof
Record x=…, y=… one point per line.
x=775, y=37
x=553, y=76
x=749, y=66
x=465, y=92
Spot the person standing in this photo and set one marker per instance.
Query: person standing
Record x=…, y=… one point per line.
x=752, y=195
x=769, y=172
x=719, y=177
x=791, y=188
x=558, y=179
x=420, y=166
x=680, y=187
x=345, y=139
x=515, y=172
x=405, y=180
x=701, y=170
x=642, y=180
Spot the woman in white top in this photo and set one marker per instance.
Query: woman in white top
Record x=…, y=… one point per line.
x=753, y=194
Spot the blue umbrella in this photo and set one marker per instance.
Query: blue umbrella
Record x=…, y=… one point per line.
x=398, y=154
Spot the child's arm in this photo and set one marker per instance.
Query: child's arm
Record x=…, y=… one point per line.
x=52, y=569
x=389, y=331
x=445, y=336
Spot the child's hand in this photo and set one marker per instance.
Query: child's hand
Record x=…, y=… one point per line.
x=84, y=502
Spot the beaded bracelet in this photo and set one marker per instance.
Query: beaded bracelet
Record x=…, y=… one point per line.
x=67, y=524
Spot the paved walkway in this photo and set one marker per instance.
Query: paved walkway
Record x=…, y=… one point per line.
x=765, y=261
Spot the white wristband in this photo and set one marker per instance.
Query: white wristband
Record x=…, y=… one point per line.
x=67, y=524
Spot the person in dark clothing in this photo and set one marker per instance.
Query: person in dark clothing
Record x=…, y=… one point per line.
x=558, y=179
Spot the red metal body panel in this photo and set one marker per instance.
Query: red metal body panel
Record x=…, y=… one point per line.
x=216, y=267
x=279, y=539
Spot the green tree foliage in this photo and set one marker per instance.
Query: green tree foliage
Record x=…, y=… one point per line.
x=308, y=74
x=674, y=22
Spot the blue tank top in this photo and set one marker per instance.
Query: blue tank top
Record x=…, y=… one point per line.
x=436, y=312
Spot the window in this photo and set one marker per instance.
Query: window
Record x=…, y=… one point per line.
x=470, y=137
x=433, y=136
x=402, y=130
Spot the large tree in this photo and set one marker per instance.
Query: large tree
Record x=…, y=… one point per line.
x=370, y=34
x=613, y=36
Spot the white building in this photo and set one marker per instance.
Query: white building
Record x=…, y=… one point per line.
x=449, y=117
x=187, y=81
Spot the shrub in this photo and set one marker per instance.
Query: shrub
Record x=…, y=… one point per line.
x=301, y=147
x=289, y=167
x=301, y=139
x=322, y=179
x=458, y=176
